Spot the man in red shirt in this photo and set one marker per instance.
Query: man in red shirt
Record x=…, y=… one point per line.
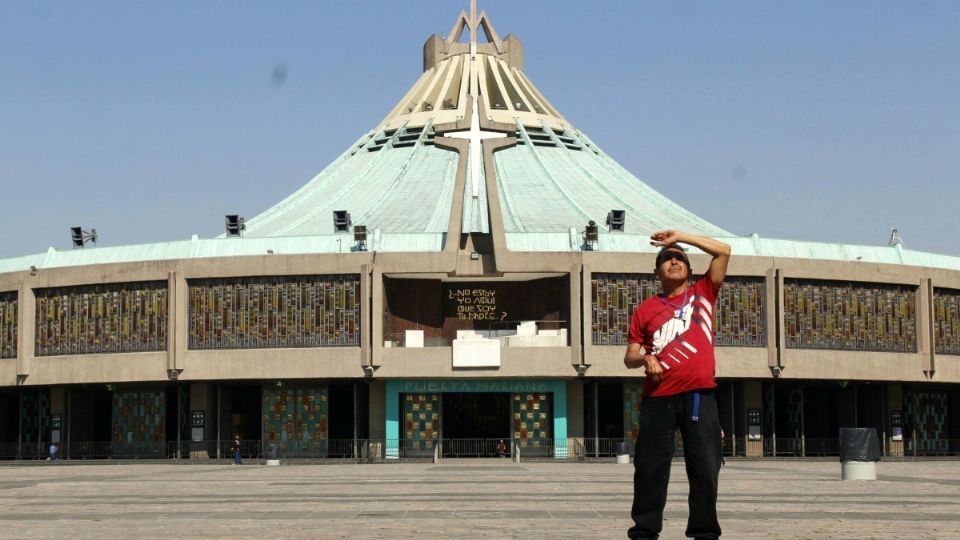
x=671, y=337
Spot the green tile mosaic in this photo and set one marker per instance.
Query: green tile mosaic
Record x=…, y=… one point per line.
x=421, y=417
x=927, y=418
x=35, y=416
x=632, y=398
x=139, y=416
x=297, y=419
x=532, y=419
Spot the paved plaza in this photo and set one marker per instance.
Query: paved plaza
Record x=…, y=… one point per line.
x=463, y=499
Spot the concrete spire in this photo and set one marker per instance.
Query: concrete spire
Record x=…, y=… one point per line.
x=473, y=23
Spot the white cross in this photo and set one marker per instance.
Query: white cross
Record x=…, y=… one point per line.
x=475, y=136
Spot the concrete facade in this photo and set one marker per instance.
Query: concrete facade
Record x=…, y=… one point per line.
x=473, y=257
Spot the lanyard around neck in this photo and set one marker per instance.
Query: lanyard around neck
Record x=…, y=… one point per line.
x=678, y=309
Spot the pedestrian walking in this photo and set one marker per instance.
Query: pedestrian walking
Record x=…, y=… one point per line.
x=237, y=457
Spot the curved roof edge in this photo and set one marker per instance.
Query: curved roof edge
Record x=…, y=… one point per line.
x=570, y=241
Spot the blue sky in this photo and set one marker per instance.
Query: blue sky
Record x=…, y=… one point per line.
x=815, y=120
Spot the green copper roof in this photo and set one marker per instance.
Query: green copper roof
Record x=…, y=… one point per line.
x=395, y=181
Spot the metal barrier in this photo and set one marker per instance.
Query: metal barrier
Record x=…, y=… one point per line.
x=932, y=447
x=408, y=450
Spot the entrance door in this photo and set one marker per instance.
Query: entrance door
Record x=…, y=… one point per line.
x=474, y=423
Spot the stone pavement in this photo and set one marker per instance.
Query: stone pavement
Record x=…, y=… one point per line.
x=464, y=499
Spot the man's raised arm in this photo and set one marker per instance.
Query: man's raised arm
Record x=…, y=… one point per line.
x=715, y=248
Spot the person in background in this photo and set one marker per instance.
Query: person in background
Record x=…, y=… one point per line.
x=501, y=448
x=237, y=458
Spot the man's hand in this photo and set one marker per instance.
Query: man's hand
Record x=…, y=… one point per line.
x=653, y=368
x=636, y=359
x=665, y=238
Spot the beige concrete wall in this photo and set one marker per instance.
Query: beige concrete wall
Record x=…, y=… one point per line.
x=93, y=368
x=437, y=362
x=603, y=361
x=314, y=363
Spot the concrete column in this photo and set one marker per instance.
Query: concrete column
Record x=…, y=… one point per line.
x=894, y=403
x=575, y=424
x=376, y=308
x=58, y=398
x=576, y=327
x=771, y=286
x=26, y=330
x=377, y=410
x=752, y=399
x=200, y=395
x=365, y=337
x=586, y=311
x=180, y=319
x=926, y=347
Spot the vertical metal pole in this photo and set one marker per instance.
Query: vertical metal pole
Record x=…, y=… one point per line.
x=66, y=428
x=596, y=418
x=883, y=420
x=20, y=425
x=179, y=420
x=40, y=448
x=856, y=408
x=733, y=419
x=803, y=427
x=773, y=419
x=355, y=415
x=218, y=420
x=916, y=417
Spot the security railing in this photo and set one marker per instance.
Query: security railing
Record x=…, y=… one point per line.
x=411, y=450
x=932, y=447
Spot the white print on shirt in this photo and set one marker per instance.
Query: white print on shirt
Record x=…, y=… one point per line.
x=672, y=328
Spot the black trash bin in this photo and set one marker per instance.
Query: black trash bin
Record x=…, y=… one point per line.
x=859, y=444
x=859, y=453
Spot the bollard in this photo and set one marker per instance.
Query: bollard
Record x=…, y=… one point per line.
x=273, y=455
x=623, y=453
x=859, y=453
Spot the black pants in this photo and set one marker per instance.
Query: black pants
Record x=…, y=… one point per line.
x=660, y=417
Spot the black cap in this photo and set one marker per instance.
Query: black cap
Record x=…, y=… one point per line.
x=672, y=248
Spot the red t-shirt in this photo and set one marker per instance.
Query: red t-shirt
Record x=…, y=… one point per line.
x=679, y=331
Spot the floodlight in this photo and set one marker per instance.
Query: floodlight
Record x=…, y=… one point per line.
x=341, y=220
x=592, y=232
x=80, y=237
x=235, y=225
x=360, y=237
x=616, y=220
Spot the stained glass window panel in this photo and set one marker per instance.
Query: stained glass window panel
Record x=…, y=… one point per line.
x=106, y=318
x=275, y=312
x=847, y=315
x=739, y=319
x=946, y=321
x=8, y=325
